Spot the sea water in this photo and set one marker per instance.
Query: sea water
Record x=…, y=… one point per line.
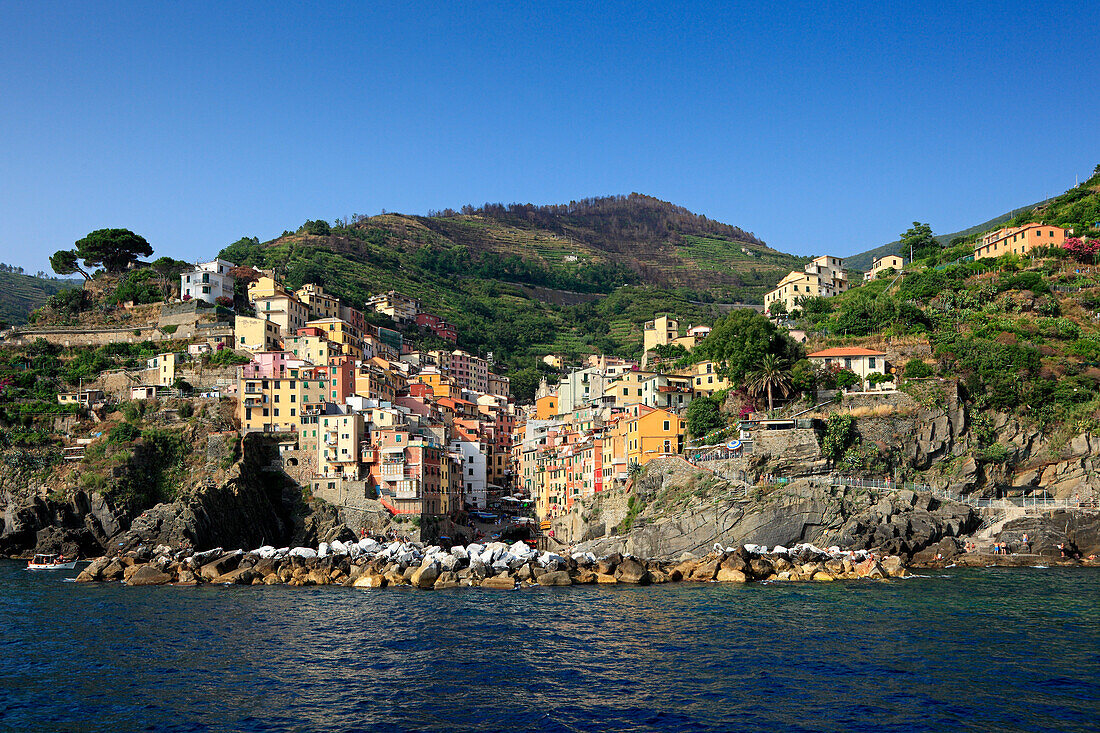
x=961, y=649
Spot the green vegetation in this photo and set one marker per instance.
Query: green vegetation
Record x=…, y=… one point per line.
x=22, y=294
x=703, y=415
x=840, y=433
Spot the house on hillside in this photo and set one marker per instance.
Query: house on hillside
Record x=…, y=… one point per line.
x=1019, y=240
x=882, y=263
x=208, y=281
x=864, y=362
x=823, y=277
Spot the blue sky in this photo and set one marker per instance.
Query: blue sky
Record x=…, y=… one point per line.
x=818, y=126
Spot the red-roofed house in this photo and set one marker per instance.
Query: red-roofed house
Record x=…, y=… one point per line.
x=859, y=360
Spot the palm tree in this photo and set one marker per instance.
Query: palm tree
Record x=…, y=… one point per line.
x=772, y=377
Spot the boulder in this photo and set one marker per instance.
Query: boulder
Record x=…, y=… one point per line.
x=148, y=575
x=369, y=580
x=94, y=570
x=893, y=566
x=761, y=568
x=499, y=582
x=822, y=576
x=555, y=578
x=425, y=576
x=704, y=571
x=240, y=576
x=224, y=564
x=446, y=579
x=725, y=575
x=605, y=579
x=632, y=571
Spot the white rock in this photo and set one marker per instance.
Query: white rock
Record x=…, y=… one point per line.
x=339, y=548
x=459, y=552
x=474, y=549
x=756, y=549
x=303, y=552
x=323, y=549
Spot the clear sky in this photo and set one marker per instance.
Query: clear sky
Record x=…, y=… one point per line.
x=817, y=126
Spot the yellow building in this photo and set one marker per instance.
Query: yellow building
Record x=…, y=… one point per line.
x=285, y=310
x=165, y=366
x=628, y=389
x=320, y=304
x=652, y=433
x=314, y=349
x=371, y=382
x=704, y=377
x=442, y=385
x=880, y=264
x=269, y=404
x=266, y=286
x=661, y=331
x=823, y=277
x=1019, y=240
x=255, y=334
x=341, y=332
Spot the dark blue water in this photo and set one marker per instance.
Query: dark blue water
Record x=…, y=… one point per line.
x=963, y=650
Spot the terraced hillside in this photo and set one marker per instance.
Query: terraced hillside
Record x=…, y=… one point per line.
x=21, y=294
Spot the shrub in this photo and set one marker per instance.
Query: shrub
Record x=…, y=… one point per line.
x=840, y=432
x=123, y=433
x=846, y=378
x=186, y=410
x=917, y=369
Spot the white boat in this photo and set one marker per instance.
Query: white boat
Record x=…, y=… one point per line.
x=50, y=562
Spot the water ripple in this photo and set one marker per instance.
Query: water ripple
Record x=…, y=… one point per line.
x=966, y=650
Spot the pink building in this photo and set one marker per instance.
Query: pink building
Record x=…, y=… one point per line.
x=267, y=365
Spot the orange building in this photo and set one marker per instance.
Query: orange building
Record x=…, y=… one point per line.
x=1019, y=240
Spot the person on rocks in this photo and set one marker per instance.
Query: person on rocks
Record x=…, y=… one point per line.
x=1027, y=544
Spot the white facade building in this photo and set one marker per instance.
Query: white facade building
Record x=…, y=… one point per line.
x=473, y=472
x=208, y=281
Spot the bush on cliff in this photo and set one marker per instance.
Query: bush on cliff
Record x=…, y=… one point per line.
x=840, y=432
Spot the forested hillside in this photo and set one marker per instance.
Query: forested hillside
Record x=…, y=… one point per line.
x=633, y=255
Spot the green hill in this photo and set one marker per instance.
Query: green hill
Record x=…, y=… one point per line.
x=635, y=254
x=1077, y=209
x=21, y=294
x=862, y=261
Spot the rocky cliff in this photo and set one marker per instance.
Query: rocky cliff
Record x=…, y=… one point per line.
x=673, y=510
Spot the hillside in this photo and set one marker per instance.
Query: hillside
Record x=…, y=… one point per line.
x=862, y=261
x=1077, y=209
x=21, y=294
x=482, y=269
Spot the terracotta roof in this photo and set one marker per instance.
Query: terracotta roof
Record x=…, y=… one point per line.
x=848, y=351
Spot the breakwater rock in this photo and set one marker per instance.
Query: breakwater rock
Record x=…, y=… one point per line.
x=371, y=564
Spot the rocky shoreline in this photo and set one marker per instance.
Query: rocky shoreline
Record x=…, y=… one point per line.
x=370, y=564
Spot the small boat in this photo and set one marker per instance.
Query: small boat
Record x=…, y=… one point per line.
x=50, y=562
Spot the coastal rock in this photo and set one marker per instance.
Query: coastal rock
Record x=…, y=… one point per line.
x=555, y=578
x=224, y=564
x=725, y=575
x=632, y=571
x=499, y=582
x=704, y=571
x=148, y=575
x=446, y=579
x=93, y=571
x=425, y=576
x=369, y=580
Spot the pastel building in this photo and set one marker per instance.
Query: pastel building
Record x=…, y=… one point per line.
x=1019, y=240
x=208, y=281
x=879, y=264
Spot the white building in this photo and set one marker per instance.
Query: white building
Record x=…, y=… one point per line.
x=473, y=472
x=208, y=281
